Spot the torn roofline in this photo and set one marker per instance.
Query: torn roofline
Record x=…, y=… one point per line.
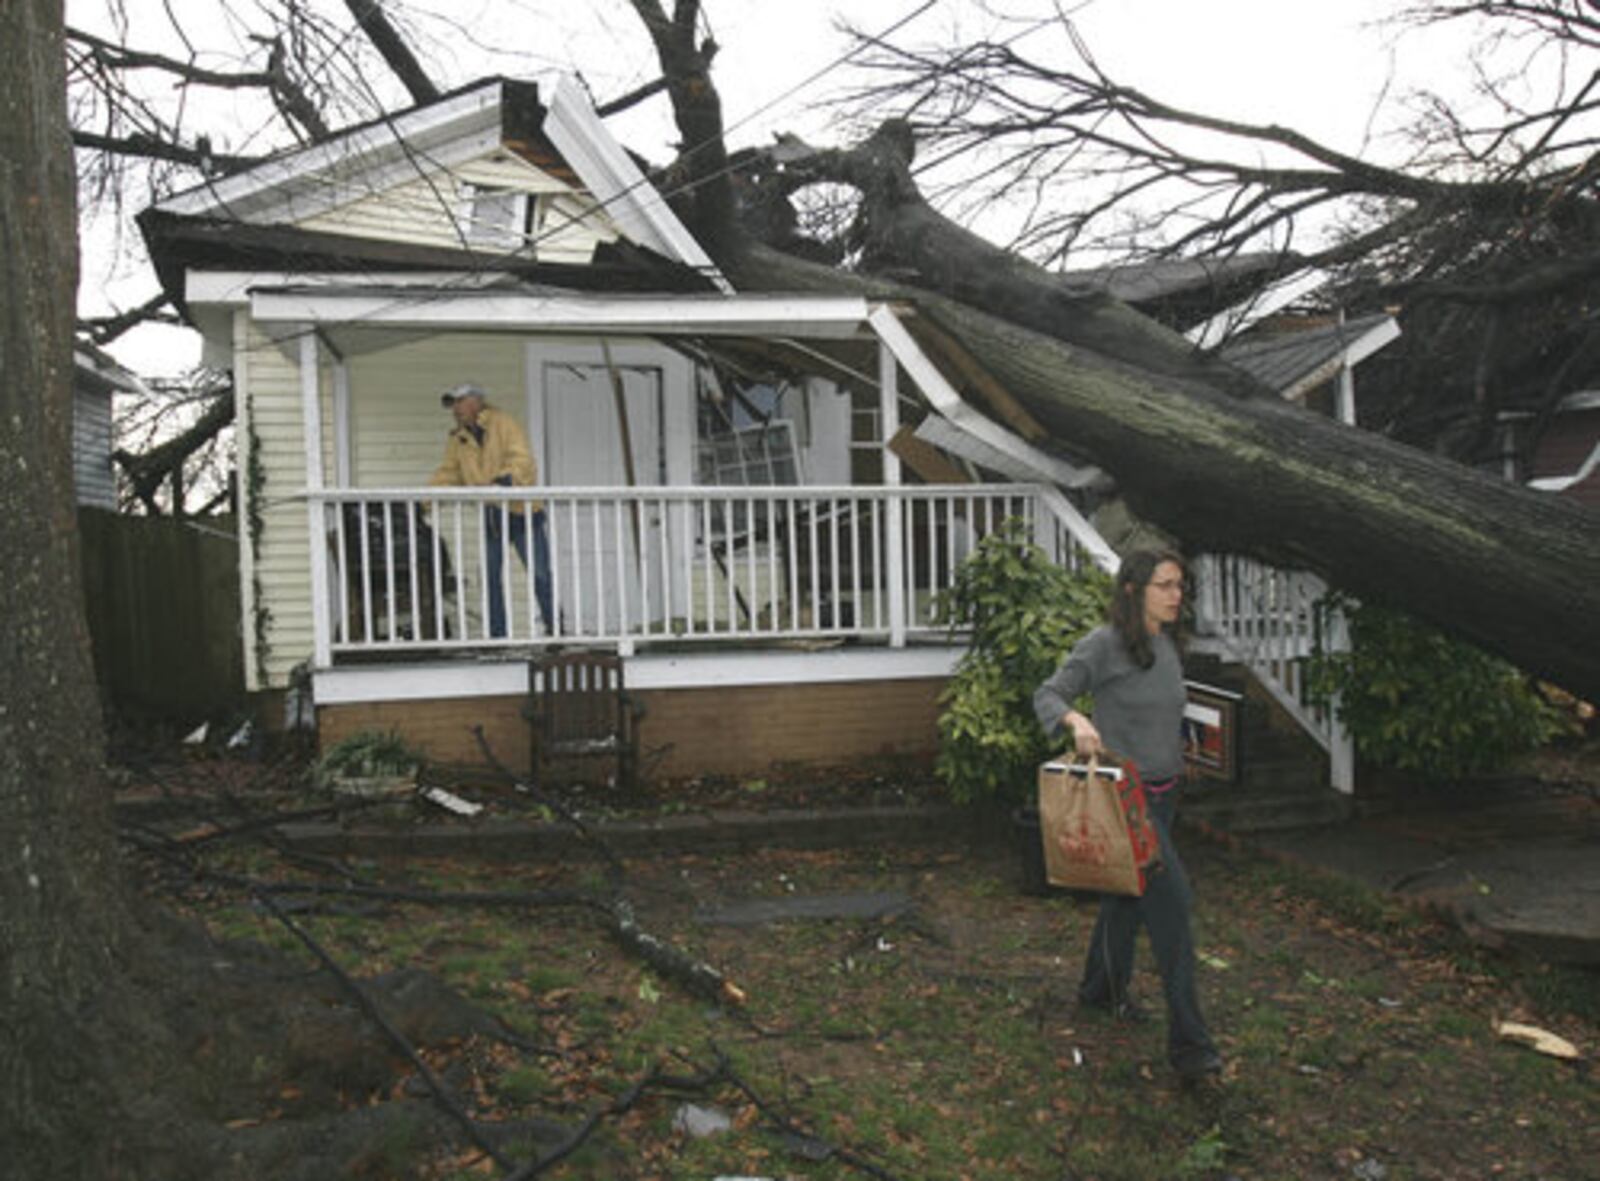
x=434, y=138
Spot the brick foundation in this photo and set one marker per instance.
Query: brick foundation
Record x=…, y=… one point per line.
x=442, y=730
x=738, y=730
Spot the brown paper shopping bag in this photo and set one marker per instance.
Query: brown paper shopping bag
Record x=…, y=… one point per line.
x=1095, y=830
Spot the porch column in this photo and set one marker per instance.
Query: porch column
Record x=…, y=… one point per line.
x=889, y=424
x=1346, y=393
x=341, y=422
x=316, y=515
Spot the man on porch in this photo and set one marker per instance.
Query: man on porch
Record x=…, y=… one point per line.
x=486, y=447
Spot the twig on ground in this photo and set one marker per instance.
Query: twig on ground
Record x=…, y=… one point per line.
x=436, y=1085
x=614, y=870
x=654, y=1079
x=695, y=975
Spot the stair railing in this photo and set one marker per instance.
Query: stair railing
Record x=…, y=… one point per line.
x=1271, y=620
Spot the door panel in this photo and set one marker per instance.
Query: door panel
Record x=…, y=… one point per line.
x=600, y=549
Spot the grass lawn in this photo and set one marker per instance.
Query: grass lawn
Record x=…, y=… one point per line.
x=943, y=1044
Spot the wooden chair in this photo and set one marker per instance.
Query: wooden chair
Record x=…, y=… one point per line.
x=578, y=708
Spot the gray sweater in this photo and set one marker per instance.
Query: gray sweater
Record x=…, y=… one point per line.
x=1139, y=712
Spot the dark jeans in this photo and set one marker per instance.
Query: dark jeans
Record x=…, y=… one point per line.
x=1164, y=911
x=517, y=534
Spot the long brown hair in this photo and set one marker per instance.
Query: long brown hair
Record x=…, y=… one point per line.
x=1126, y=613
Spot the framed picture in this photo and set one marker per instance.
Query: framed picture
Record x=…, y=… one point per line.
x=1211, y=731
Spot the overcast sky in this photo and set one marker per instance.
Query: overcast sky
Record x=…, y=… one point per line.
x=1320, y=67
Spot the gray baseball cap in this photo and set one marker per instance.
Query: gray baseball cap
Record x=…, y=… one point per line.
x=465, y=390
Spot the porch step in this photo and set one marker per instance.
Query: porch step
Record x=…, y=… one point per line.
x=1283, y=778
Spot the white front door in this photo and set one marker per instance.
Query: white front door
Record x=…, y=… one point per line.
x=606, y=556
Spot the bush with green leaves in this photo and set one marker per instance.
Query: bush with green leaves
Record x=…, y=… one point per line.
x=1419, y=701
x=1024, y=614
x=367, y=755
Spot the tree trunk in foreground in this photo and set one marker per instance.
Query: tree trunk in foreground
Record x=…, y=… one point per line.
x=77, y=1055
x=58, y=902
x=1516, y=571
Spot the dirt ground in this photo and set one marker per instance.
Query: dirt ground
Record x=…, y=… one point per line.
x=939, y=1040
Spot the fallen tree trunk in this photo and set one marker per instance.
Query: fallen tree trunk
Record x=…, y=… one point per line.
x=1194, y=446
x=1516, y=571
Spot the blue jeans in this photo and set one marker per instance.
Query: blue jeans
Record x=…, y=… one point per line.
x=1164, y=912
x=518, y=536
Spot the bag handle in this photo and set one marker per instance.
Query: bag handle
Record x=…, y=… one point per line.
x=1091, y=768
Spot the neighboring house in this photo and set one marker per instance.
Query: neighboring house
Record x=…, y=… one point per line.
x=1566, y=460
x=723, y=474
x=1313, y=361
x=96, y=380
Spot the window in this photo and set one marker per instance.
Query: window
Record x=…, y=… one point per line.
x=501, y=218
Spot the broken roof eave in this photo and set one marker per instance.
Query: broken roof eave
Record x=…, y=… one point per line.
x=616, y=182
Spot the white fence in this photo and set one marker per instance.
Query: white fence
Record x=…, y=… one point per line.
x=411, y=569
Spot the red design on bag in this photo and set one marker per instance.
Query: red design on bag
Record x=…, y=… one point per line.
x=1084, y=845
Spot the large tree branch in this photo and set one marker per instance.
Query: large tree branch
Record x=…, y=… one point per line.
x=149, y=148
x=1536, y=282
x=369, y=15
x=120, y=57
x=292, y=101
x=1259, y=476
x=704, y=187
x=147, y=471
x=105, y=329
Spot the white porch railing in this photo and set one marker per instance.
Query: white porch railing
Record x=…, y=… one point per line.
x=408, y=569
x=1270, y=620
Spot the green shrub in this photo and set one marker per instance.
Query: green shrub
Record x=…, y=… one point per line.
x=1024, y=613
x=365, y=755
x=1420, y=701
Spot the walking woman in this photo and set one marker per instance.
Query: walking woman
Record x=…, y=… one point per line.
x=1131, y=668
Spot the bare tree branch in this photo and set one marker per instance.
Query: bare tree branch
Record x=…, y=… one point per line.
x=386, y=38
x=105, y=329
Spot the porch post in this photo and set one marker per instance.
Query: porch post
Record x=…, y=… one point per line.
x=1346, y=410
x=889, y=423
x=341, y=423
x=316, y=514
x=1345, y=386
x=1341, y=743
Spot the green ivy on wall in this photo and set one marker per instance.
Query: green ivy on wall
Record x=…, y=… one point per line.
x=255, y=523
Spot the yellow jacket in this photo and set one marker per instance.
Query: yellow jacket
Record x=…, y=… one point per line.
x=502, y=457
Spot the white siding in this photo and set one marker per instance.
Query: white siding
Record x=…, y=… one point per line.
x=397, y=427
x=281, y=559
x=434, y=210
x=91, y=449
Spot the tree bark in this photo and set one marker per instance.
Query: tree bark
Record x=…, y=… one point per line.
x=392, y=46
x=1194, y=446
x=60, y=919
x=1516, y=571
